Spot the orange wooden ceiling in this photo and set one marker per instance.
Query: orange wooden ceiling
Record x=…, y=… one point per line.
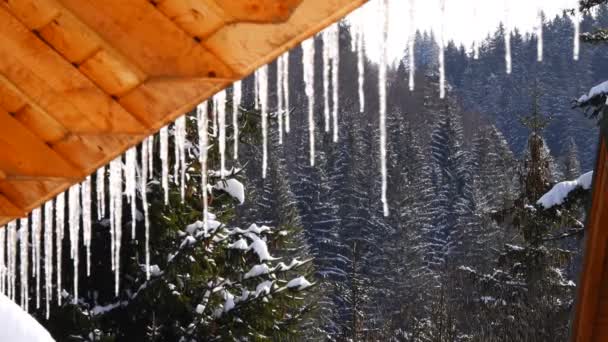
x=83, y=80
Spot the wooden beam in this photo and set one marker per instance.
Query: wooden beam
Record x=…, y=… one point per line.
x=594, y=261
x=259, y=11
x=8, y=209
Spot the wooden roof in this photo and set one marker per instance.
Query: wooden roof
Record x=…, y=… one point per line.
x=83, y=80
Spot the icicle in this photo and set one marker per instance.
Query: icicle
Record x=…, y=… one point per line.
x=36, y=235
x=116, y=218
x=308, y=59
x=221, y=114
x=180, y=126
x=203, y=122
x=256, y=91
x=507, y=36
x=539, y=36
x=164, y=157
x=144, y=199
x=86, y=220
x=286, y=89
x=262, y=75
x=236, y=102
x=382, y=65
x=24, y=262
x=280, y=97
x=12, y=227
x=74, y=229
x=442, y=52
x=150, y=147
x=2, y=260
x=335, y=69
x=130, y=184
x=325, y=35
x=412, y=45
x=48, y=256
x=100, y=181
x=577, y=28
x=59, y=230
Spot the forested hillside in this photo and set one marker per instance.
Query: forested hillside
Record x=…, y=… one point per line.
x=466, y=253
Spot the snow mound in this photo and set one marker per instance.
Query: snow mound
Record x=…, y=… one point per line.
x=299, y=283
x=257, y=270
x=560, y=191
x=599, y=89
x=233, y=187
x=17, y=325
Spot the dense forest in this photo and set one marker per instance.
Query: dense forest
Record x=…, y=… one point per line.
x=306, y=253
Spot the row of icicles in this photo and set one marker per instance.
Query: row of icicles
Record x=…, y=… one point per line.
x=128, y=175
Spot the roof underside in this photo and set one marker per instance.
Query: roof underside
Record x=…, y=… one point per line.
x=83, y=80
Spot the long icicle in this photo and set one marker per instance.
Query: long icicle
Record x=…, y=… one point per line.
x=87, y=223
x=150, y=148
x=237, y=94
x=286, y=90
x=263, y=93
x=74, y=229
x=280, y=97
x=442, y=51
x=412, y=45
x=507, y=36
x=335, y=77
x=130, y=185
x=48, y=256
x=36, y=246
x=12, y=254
x=576, y=20
x=2, y=260
x=164, y=157
x=144, y=199
x=308, y=61
x=382, y=66
x=59, y=233
x=361, y=67
x=116, y=190
x=24, y=262
x=180, y=155
x=203, y=123
x=539, y=34
x=100, y=179
x=326, y=37
x=221, y=114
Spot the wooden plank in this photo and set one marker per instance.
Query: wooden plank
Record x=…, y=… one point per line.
x=161, y=100
x=42, y=74
x=8, y=209
x=147, y=37
x=247, y=46
x=260, y=11
x=594, y=261
x=34, y=14
x=22, y=153
x=111, y=74
x=198, y=18
x=31, y=194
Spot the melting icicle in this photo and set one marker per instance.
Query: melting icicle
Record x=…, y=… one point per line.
x=12, y=229
x=74, y=229
x=256, y=91
x=59, y=230
x=130, y=184
x=221, y=115
x=280, y=97
x=507, y=36
x=326, y=36
x=179, y=168
x=36, y=235
x=203, y=122
x=2, y=260
x=236, y=102
x=262, y=75
x=48, y=256
x=86, y=220
x=382, y=65
x=442, y=52
x=576, y=20
x=150, y=147
x=286, y=89
x=335, y=68
x=101, y=192
x=539, y=35
x=116, y=218
x=412, y=45
x=144, y=199
x=24, y=262
x=308, y=59
x=164, y=157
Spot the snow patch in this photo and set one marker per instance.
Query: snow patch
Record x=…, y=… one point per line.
x=299, y=283
x=16, y=325
x=233, y=187
x=560, y=191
